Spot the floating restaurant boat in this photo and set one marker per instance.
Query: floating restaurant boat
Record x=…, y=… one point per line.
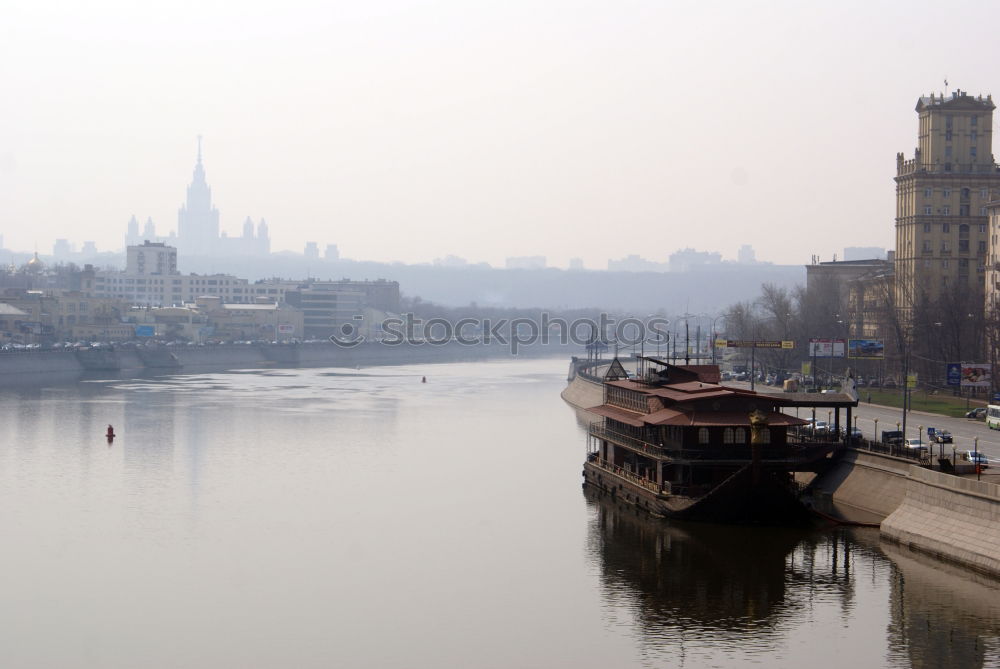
x=673, y=441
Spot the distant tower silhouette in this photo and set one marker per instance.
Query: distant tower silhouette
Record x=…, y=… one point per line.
x=198, y=219
x=248, y=229
x=263, y=239
x=149, y=230
x=132, y=236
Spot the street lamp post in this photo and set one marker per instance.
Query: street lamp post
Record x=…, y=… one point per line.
x=876, y=430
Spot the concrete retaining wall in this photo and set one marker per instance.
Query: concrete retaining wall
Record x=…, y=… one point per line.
x=872, y=482
x=582, y=393
x=951, y=518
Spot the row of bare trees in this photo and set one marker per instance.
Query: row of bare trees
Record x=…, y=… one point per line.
x=921, y=338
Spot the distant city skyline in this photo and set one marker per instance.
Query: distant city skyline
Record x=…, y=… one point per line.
x=398, y=133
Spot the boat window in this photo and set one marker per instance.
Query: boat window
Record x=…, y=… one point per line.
x=703, y=435
x=765, y=435
x=741, y=435
x=727, y=435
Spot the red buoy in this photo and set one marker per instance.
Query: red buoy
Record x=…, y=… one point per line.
x=111, y=433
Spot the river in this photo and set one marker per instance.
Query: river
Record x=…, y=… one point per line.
x=362, y=518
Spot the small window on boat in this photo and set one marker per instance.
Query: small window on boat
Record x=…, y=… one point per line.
x=741, y=435
x=765, y=435
x=727, y=435
x=703, y=435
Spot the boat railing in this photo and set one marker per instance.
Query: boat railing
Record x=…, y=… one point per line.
x=789, y=451
x=600, y=431
x=631, y=476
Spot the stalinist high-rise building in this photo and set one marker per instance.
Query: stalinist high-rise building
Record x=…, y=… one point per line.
x=942, y=234
x=198, y=219
x=198, y=226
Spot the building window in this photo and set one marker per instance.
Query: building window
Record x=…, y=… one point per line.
x=944, y=280
x=982, y=211
x=984, y=193
x=975, y=121
x=963, y=210
x=963, y=245
x=928, y=192
x=944, y=264
x=947, y=122
x=947, y=154
x=982, y=247
x=927, y=227
x=982, y=228
x=974, y=135
x=972, y=151
x=945, y=247
x=947, y=136
x=963, y=231
x=946, y=192
x=946, y=227
x=703, y=435
x=927, y=210
x=927, y=246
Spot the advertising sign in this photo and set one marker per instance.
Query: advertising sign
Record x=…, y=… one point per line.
x=911, y=381
x=145, y=331
x=749, y=343
x=866, y=348
x=954, y=374
x=976, y=375
x=827, y=348
x=806, y=368
x=286, y=329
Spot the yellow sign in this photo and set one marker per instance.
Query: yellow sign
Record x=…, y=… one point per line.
x=806, y=368
x=911, y=381
x=787, y=344
x=721, y=343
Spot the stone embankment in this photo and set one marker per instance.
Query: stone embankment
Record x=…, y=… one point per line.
x=950, y=517
x=47, y=365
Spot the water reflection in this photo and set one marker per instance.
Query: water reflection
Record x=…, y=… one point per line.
x=942, y=616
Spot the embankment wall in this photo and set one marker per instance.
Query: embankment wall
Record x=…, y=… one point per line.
x=952, y=518
x=873, y=482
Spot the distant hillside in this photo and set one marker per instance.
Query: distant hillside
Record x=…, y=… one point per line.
x=710, y=288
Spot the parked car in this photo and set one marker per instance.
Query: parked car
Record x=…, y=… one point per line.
x=979, y=413
x=853, y=433
x=820, y=427
x=915, y=445
x=892, y=437
x=976, y=458
x=940, y=436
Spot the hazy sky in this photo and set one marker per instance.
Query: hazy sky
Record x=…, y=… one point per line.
x=411, y=130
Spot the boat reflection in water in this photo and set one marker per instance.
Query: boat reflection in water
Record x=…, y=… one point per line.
x=706, y=595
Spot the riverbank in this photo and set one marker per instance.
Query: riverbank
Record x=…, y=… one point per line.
x=67, y=365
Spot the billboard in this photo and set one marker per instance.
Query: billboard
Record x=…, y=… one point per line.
x=286, y=329
x=954, y=374
x=145, y=331
x=872, y=349
x=827, y=348
x=976, y=375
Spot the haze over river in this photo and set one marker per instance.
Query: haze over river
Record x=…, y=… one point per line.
x=341, y=518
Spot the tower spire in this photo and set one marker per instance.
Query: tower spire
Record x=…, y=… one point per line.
x=199, y=148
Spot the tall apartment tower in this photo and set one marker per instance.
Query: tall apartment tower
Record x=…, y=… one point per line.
x=942, y=236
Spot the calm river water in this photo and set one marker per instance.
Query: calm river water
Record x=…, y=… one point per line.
x=333, y=518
